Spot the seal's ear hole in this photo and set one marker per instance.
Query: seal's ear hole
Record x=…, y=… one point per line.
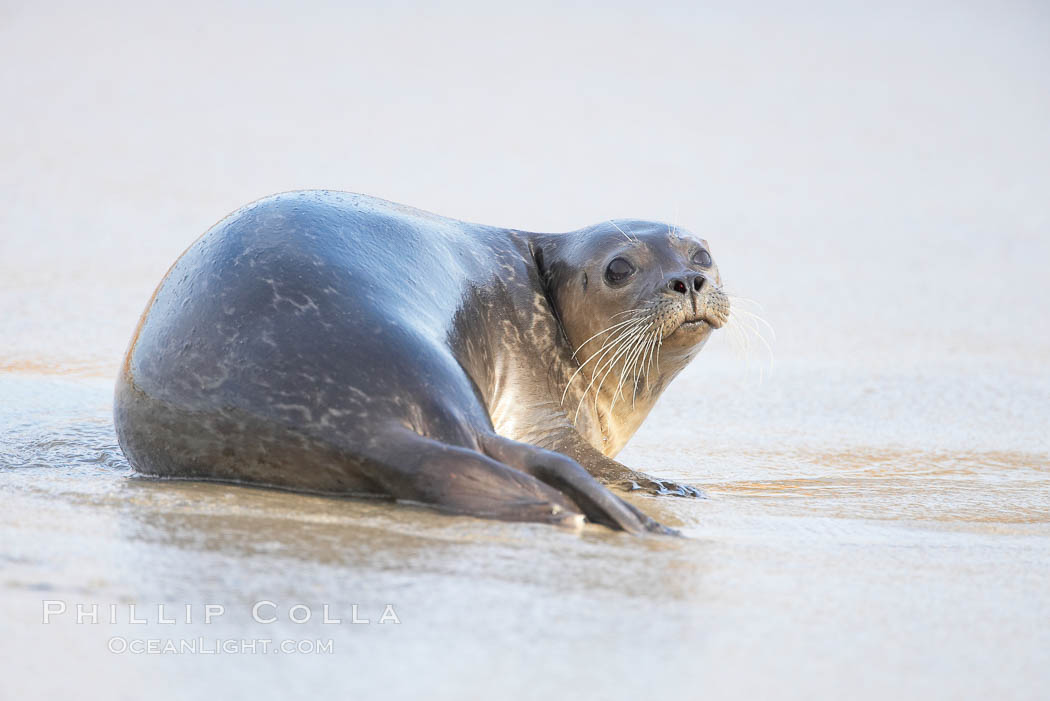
x=585, y=281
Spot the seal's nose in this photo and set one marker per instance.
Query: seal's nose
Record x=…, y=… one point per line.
x=681, y=285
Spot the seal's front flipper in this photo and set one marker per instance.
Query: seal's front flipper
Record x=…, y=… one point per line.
x=612, y=473
x=567, y=476
x=651, y=485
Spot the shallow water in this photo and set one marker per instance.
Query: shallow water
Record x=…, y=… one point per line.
x=877, y=520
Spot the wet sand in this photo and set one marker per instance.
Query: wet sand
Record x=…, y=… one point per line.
x=878, y=515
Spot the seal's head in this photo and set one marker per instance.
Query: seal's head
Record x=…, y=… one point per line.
x=629, y=292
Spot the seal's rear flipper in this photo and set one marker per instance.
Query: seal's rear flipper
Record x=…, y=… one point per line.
x=420, y=470
x=568, y=476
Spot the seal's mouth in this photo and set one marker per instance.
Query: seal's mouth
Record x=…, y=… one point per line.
x=690, y=324
x=709, y=311
x=690, y=319
x=702, y=321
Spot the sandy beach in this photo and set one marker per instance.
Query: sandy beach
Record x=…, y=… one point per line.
x=877, y=520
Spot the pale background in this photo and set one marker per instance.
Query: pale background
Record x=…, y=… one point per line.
x=877, y=175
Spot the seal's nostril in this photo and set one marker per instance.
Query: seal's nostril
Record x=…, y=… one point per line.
x=698, y=283
x=678, y=286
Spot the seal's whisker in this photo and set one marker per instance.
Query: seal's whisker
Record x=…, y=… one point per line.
x=628, y=311
x=740, y=298
x=610, y=365
x=594, y=376
x=739, y=340
x=673, y=229
x=609, y=344
x=649, y=363
x=631, y=233
x=643, y=367
x=639, y=367
x=743, y=303
x=622, y=347
x=619, y=332
x=610, y=328
x=745, y=326
x=632, y=240
x=755, y=324
x=757, y=318
x=598, y=355
x=628, y=366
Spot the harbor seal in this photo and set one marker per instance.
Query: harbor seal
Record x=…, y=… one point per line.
x=337, y=343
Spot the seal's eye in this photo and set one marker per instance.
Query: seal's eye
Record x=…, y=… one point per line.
x=618, y=271
x=702, y=258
